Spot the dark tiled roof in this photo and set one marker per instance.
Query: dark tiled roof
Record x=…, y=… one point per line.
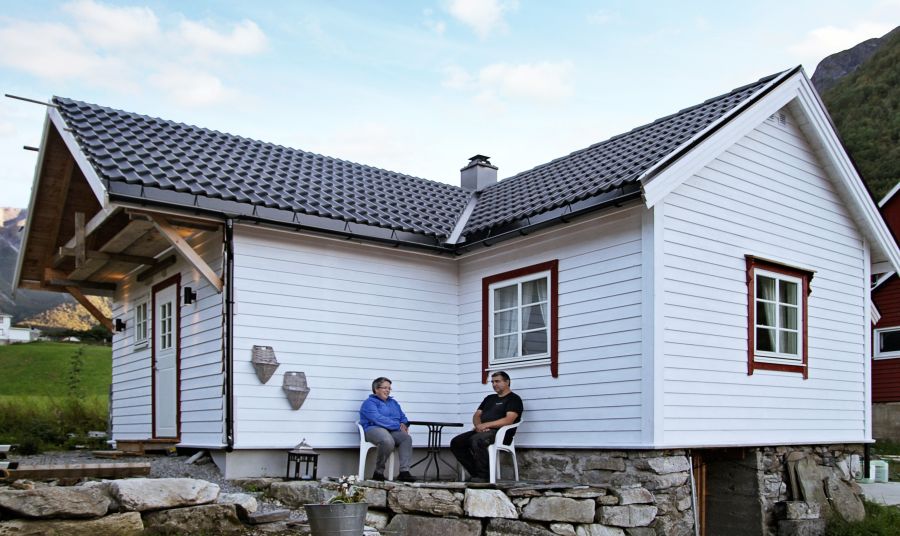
x=136, y=149
x=132, y=149
x=599, y=168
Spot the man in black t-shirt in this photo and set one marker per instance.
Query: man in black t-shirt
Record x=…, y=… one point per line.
x=496, y=411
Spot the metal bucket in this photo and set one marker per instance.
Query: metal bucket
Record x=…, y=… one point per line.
x=336, y=519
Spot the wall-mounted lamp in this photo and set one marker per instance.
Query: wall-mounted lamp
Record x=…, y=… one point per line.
x=120, y=325
x=189, y=295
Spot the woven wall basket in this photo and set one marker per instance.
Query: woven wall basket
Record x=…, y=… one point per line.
x=264, y=362
x=295, y=388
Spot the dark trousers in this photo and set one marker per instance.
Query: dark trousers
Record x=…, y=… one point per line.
x=470, y=449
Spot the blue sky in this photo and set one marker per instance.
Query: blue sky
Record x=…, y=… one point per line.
x=415, y=87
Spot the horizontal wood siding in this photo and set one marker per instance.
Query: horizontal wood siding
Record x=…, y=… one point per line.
x=886, y=371
x=766, y=196
x=886, y=380
x=887, y=299
x=343, y=313
x=202, y=410
x=596, y=400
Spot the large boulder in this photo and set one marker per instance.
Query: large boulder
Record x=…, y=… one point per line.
x=489, y=503
x=410, y=525
x=594, y=529
x=55, y=502
x=437, y=502
x=847, y=504
x=145, y=494
x=128, y=524
x=633, y=515
x=296, y=493
x=204, y=519
x=560, y=509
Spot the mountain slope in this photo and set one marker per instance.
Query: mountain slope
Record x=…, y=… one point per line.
x=865, y=107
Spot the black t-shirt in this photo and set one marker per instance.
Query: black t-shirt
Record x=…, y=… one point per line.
x=495, y=407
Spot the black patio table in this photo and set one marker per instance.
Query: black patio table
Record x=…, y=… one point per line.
x=433, y=450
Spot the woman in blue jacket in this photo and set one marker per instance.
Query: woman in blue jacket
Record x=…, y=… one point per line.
x=387, y=427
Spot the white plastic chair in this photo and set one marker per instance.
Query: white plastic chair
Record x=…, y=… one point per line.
x=494, y=452
x=364, y=447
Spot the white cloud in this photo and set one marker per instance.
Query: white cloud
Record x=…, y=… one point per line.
x=538, y=81
x=455, y=77
x=826, y=40
x=50, y=50
x=245, y=38
x=191, y=87
x=113, y=26
x=600, y=17
x=483, y=16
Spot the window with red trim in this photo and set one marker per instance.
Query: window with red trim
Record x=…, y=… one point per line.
x=519, y=318
x=777, y=316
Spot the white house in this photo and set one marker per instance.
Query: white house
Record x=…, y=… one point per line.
x=11, y=335
x=701, y=281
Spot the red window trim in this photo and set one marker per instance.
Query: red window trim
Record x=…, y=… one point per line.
x=553, y=268
x=805, y=276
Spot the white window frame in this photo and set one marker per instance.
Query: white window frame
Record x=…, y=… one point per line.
x=779, y=357
x=142, y=342
x=534, y=359
x=877, y=343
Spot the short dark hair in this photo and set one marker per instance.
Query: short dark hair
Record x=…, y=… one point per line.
x=502, y=374
x=376, y=383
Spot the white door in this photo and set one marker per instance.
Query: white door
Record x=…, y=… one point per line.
x=165, y=362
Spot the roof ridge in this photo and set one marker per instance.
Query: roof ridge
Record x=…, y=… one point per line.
x=252, y=140
x=641, y=127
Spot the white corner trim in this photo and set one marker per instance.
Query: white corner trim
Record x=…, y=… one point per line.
x=656, y=186
x=80, y=158
x=867, y=343
x=876, y=315
x=38, y=168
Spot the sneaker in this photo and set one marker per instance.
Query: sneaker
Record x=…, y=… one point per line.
x=378, y=477
x=404, y=476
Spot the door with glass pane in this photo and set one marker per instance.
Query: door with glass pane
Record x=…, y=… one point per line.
x=165, y=361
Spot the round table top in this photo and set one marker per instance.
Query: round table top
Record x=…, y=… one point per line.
x=437, y=423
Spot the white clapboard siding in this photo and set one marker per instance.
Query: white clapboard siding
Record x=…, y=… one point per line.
x=596, y=400
x=201, y=412
x=343, y=313
x=766, y=196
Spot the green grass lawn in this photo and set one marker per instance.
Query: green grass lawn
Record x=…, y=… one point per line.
x=50, y=392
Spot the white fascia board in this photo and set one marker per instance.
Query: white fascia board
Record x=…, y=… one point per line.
x=889, y=195
x=80, y=158
x=38, y=167
x=798, y=92
x=657, y=184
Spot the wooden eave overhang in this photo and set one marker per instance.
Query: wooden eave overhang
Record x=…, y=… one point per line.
x=79, y=243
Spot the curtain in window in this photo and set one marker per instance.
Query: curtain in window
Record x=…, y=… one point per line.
x=534, y=317
x=506, y=322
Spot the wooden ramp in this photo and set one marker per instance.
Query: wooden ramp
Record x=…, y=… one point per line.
x=78, y=470
x=139, y=447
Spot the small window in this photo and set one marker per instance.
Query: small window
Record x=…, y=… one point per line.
x=519, y=318
x=777, y=305
x=165, y=325
x=887, y=342
x=141, y=323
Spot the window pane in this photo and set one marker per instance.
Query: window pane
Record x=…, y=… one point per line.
x=765, y=339
x=765, y=288
x=788, y=317
x=534, y=291
x=534, y=342
x=506, y=346
x=534, y=316
x=890, y=341
x=765, y=314
x=506, y=297
x=788, y=342
x=787, y=292
x=506, y=322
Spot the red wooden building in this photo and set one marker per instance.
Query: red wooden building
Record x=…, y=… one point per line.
x=886, y=338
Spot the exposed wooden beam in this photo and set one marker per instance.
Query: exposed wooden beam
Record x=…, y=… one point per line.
x=186, y=251
x=156, y=268
x=91, y=226
x=119, y=257
x=87, y=285
x=91, y=308
x=58, y=196
x=79, y=240
x=118, y=242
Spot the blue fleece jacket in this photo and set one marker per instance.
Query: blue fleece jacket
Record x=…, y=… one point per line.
x=384, y=413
